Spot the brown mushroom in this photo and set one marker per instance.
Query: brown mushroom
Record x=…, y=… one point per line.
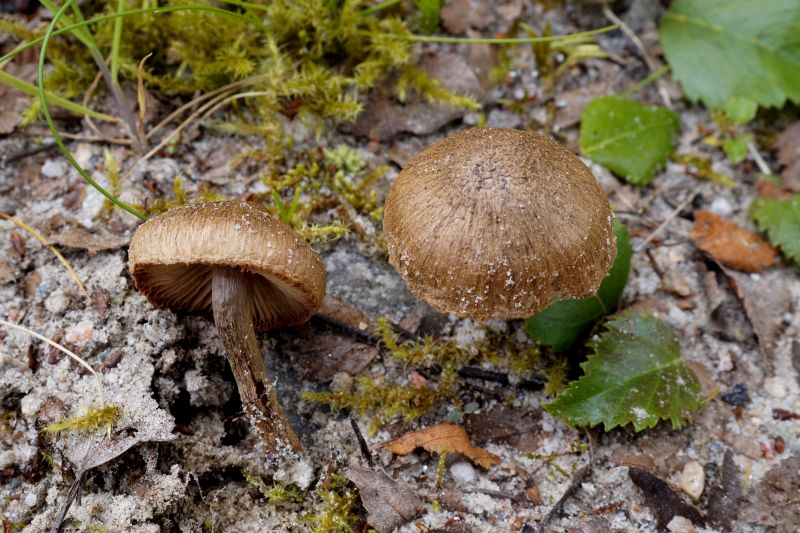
x=494, y=222
x=251, y=270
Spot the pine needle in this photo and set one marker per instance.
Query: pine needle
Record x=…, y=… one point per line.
x=54, y=344
x=52, y=248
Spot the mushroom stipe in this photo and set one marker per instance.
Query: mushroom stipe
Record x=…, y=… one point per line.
x=251, y=270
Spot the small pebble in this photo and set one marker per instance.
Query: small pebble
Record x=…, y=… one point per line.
x=31, y=499
x=80, y=333
x=776, y=387
x=57, y=302
x=779, y=445
x=342, y=382
x=736, y=395
x=721, y=207
x=693, y=479
x=463, y=473
x=680, y=524
x=54, y=169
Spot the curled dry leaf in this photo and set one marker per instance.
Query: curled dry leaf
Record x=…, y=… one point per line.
x=731, y=245
x=389, y=504
x=441, y=437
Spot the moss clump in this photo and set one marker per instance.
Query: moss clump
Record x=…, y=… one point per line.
x=276, y=494
x=91, y=419
x=339, y=511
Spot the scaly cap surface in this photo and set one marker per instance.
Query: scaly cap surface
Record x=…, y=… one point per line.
x=494, y=222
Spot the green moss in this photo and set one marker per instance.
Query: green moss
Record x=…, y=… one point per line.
x=385, y=401
x=91, y=419
x=556, y=374
x=339, y=511
x=276, y=494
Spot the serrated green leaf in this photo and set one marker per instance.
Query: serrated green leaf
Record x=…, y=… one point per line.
x=629, y=138
x=719, y=49
x=781, y=220
x=636, y=375
x=564, y=324
x=740, y=110
x=736, y=149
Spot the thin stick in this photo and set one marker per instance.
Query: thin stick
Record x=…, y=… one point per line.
x=54, y=344
x=760, y=163
x=669, y=219
x=651, y=62
x=47, y=243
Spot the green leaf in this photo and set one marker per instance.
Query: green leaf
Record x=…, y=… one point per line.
x=564, y=324
x=636, y=375
x=631, y=139
x=736, y=149
x=740, y=110
x=781, y=220
x=719, y=49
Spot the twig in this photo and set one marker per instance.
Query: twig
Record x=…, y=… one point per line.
x=59, y=347
x=669, y=219
x=652, y=64
x=577, y=479
x=74, y=493
x=756, y=155
x=472, y=372
x=362, y=443
x=53, y=249
x=22, y=154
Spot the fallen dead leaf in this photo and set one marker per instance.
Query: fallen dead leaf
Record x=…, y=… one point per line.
x=723, y=499
x=519, y=428
x=66, y=231
x=788, y=144
x=342, y=311
x=389, y=503
x=731, y=245
x=662, y=499
x=436, y=439
x=384, y=117
x=322, y=354
x=766, y=299
x=459, y=15
x=773, y=505
x=12, y=101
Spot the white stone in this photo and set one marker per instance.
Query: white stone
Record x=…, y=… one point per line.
x=680, y=524
x=463, y=473
x=693, y=479
x=776, y=387
x=54, y=169
x=721, y=207
x=57, y=302
x=31, y=499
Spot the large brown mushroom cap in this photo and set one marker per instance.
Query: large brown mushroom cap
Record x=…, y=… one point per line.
x=495, y=222
x=171, y=259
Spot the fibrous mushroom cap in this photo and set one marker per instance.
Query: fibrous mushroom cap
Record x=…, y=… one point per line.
x=171, y=258
x=494, y=222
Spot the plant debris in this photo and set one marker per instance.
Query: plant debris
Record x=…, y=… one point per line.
x=436, y=439
x=389, y=504
x=731, y=245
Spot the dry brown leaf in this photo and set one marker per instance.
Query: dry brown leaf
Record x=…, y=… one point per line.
x=384, y=118
x=66, y=231
x=731, y=245
x=441, y=437
x=389, y=504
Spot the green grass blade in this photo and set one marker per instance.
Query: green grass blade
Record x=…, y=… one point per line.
x=45, y=109
x=32, y=90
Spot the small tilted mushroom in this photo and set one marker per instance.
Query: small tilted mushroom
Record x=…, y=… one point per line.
x=498, y=223
x=251, y=270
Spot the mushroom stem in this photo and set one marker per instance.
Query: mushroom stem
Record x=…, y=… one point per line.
x=232, y=301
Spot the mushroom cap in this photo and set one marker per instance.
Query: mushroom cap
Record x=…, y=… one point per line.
x=498, y=223
x=171, y=258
